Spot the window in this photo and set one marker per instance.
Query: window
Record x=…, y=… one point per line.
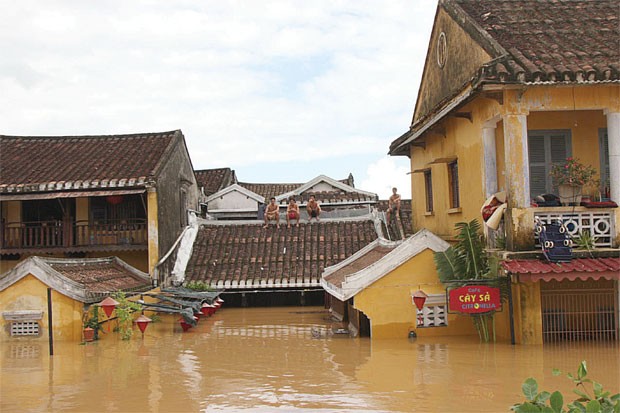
x=428, y=186
x=183, y=208
x=116, y=208
x=546, y=148
x=603, y=142
x=24, y=328
x=432, y=316
x=453, y=177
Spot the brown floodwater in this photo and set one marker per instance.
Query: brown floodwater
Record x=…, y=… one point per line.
x=284, y=360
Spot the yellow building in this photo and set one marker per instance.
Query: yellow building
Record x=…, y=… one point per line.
x=508, y=91
x=67, y=287
x=94, y=196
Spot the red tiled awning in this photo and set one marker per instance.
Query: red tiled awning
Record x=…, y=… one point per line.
x=579, y=268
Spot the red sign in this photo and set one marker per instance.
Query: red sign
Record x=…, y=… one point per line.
x=473, y=299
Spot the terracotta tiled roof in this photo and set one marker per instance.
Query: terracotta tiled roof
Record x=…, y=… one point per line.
x=212, y=180
x=375, y=254
x=269, y=190
x=247, y=255
x=101, y=275
x=582, y=268
x=87, y=280
x=405, y=214
x=81, y=162
x=553, y=40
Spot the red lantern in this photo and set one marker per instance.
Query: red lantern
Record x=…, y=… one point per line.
x=186, y=326
x=114, y=199
x=108, y=305
x=419, y=297
x=206, y=309
x=143, y=322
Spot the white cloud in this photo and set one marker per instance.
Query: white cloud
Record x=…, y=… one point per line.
x=245, y=81
x=385, y=174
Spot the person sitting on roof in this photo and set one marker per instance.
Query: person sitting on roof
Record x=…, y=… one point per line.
x=272, y=213
x=313, y=208
x=393, y=204
x=292, y=211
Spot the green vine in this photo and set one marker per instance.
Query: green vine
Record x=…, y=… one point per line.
x=124, y=314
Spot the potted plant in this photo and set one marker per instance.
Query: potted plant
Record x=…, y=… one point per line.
x=570, y=177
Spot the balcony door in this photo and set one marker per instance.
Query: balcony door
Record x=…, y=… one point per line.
x=546, y=148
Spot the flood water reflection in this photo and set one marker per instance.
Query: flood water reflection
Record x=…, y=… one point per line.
x=284, y=360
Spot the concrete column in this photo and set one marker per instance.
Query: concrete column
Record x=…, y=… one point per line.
x=613, y=135
x=489, y=159
x=530, y=314
x=517, y=160
x=152, y=228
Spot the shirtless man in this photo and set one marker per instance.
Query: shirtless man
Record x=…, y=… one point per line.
x=393, y=204
x=292, y=212
x=272, y=213
x=313, y=208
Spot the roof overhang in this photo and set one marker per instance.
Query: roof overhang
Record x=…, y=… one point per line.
x=532, y=270
x=403, y=251
x=425, y=125
x=32, y=196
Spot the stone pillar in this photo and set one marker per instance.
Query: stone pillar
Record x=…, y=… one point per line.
x=613, y=135
x=519, y=234
x=489, y=152
x=152, y=229
x=530, y=331
x=517, y=161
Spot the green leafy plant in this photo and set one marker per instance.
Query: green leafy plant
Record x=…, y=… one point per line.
x=594, y=400
x=466, y=261
x=92, y=320
x=198, y=286
x=124, y=313
x=585, y=241
x=572, y=172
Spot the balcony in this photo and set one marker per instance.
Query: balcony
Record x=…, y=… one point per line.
x=49, y=236
x=598, y=222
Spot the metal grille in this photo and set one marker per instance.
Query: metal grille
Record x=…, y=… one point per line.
x=598, y=224
x=579, y=310
x=24, y=328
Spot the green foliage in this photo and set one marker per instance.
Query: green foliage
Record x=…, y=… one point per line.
x=92, y=320
x=467, y=260
x=198, y=286
x=572, y=172
x=585, y=241
x=600, y=401
x=124, y=313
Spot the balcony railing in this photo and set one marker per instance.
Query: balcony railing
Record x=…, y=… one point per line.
x=57, y=234
x=598, y=222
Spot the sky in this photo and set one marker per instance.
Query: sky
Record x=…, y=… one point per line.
x=279, y=91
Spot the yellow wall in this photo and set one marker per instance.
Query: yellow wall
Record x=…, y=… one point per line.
x=579, y=109
x=388, y=305
x=31, y=294
x=153, y=230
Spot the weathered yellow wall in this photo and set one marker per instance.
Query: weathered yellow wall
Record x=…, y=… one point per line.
x=527, y=313
x=388, y=305
x=546, y=108
x=31, y=294
x=464, y=56
x=153, y=231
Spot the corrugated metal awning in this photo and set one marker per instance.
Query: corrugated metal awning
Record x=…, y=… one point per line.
x=23, y=196
x=579, y=268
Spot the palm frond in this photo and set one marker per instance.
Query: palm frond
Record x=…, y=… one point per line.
x=471, y=249
x=448, y=265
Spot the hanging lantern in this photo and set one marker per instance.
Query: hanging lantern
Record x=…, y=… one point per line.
x=419, y=297
x=114, y=199
x=143, y=322
x=206, y=309
x=108, y=305
x=184, y=325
